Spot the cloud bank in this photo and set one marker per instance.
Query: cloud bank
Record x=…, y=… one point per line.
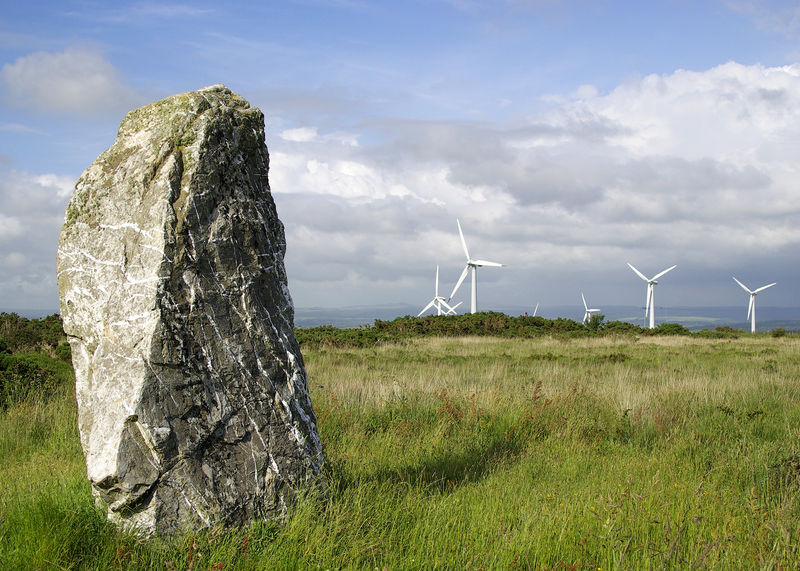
x=694, y=167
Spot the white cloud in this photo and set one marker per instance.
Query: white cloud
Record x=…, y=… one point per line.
x=729, y=111
x=300, y=134
x=76, y=80
x=311, y=134
x=585, y=92
x=61, y=185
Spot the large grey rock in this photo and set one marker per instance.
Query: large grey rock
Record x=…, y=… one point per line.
x=193, y=403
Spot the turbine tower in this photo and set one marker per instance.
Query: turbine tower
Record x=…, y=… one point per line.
x=751, y=309
x=474, y=264
x=650, y=305
x=589, y=312
x=439, y=302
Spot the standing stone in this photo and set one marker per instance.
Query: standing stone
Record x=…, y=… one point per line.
x=193, y=403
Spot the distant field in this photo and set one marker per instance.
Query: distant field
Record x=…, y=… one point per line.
x=481, y=453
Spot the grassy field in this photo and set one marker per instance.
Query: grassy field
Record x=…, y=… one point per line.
x=481, y=453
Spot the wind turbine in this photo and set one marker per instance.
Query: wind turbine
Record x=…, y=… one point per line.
x=589, y=312
x=439, y=302
x=751, y=309
x=650, y=306
x=474, y=264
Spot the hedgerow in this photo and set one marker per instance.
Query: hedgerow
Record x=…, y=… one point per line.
x=472, y=324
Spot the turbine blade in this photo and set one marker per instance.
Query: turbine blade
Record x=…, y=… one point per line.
x=585, y=306
x=751, y=305
x=762, y=288
x=485, y=263
x=459, y=282
x=655, y=277
x=452, y=310
x=427, y=307
x=744, y=287
x=535, y=309
x=638, y=273
x=463, y=242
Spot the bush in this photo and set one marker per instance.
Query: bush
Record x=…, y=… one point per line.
x=670, y=329
x=481, y=324
x=34, y=359
x=22, y=335
x=722, y=332
x=31, y=377
x=595, y=322
x=64, y=352
x=622, y=327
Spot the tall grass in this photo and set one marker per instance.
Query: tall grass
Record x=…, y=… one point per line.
x=481, y=453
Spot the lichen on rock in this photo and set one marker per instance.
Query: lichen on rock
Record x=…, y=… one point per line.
x=193, y=403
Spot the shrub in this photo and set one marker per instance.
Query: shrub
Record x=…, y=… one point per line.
x=622, y=327
x=22, y=335
x=31, y=377
x=595, y=322
x=489, y=323
x=34, y=359
x=670, y=329
x=722, y=332
x=64, y=352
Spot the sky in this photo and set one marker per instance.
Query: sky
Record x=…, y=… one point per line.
x=568, y=137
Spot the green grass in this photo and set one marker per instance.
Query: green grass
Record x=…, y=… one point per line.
x=480, y=453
